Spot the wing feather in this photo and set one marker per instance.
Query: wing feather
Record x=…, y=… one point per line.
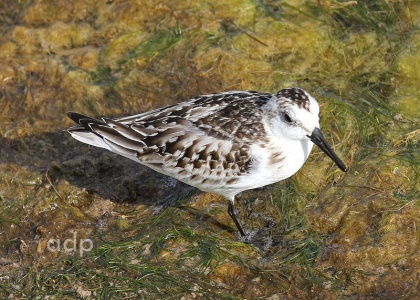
x=209, y=134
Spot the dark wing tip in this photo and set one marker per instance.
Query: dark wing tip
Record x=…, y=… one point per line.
x=76, y=117
x=84, y=121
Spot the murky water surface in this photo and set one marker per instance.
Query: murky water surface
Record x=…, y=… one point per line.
x=79, y=222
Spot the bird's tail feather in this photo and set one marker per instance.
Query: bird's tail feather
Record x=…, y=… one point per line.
x=84, y=133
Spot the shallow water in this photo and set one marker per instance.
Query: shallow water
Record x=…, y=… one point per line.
x=80, y=222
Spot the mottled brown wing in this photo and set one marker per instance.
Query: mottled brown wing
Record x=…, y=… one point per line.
x=205, y=141
x=230, y=115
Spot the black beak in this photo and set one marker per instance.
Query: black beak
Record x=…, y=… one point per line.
x=318, y=139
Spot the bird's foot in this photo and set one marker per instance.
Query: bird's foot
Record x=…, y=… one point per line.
x=260, y=238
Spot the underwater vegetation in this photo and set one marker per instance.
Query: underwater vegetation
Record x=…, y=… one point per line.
x=78, y=222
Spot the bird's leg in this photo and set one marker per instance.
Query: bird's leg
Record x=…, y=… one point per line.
x=232, y=214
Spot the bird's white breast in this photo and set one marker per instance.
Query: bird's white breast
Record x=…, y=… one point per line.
x=266, y=170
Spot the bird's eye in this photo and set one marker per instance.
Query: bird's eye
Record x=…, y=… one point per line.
x=287, y=118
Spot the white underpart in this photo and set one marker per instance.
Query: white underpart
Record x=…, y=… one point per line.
x=90, y=139
x=262, y=172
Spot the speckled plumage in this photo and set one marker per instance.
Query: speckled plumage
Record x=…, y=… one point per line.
x=224, y=143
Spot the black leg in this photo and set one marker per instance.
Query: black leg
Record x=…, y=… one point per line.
x=232, y=214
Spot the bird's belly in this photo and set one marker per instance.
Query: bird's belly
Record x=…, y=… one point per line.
x=269, y=168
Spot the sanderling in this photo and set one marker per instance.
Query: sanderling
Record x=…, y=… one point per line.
x=223, y=143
